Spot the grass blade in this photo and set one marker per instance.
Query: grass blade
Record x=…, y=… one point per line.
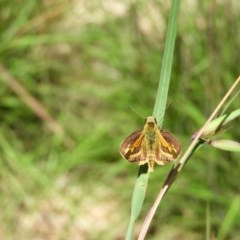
x=158, y=112
x=164, y=81
x=228, y=221
x=162, y=93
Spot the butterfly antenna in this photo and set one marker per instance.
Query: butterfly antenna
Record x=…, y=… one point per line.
x=137, y=112
x=168, y=105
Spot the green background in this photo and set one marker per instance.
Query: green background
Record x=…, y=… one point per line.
x=92, y=65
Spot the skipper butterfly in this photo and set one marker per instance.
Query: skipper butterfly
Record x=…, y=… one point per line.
x=150, y=145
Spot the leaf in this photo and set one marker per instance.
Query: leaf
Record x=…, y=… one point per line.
x=226, y=144
x=218, y=123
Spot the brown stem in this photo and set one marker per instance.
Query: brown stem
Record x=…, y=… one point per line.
x=32, y=103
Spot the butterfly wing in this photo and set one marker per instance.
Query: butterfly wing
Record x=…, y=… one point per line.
x=174, y=143
x=132, y=148
x=168, y=147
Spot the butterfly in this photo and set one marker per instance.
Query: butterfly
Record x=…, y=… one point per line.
x=150, y=145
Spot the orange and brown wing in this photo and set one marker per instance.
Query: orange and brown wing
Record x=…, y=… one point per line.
x=131, y=148
x=174, y=143
x=168, y=148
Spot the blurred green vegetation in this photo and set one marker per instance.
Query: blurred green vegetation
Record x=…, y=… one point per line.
x=87, y=63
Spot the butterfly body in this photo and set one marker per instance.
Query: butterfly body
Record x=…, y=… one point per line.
x=150, y=145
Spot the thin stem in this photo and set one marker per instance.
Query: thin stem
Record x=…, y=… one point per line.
x=177, y=168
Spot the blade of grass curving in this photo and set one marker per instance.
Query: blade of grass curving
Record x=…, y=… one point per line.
x=158, y=113
x=180, y=164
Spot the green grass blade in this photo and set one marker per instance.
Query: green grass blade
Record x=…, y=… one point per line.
x=137, y=201
x=225, y=144
x=158, y=112
x=22, y=18
x=162, y=93
x=219, y=122
x=228, y=221
x=208, y=222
